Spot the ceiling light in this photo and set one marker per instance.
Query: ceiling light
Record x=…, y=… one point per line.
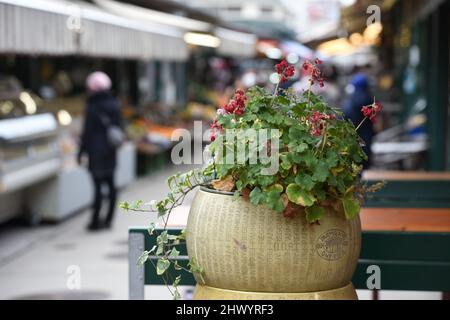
x=64, y=118
x=274, y=53
x=30, y=105
x=202, y=39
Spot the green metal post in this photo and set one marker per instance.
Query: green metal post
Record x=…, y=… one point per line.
x=437, y=84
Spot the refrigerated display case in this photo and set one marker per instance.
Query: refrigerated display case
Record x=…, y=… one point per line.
x=29, y=154
x=40, y=177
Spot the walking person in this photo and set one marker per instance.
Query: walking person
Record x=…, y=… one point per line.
x=102, y=111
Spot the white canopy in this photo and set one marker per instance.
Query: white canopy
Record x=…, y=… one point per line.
x=233, y=43
x=61, y=27
x=58, y=27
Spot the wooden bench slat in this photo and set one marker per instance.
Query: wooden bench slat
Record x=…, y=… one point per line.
x=405, y=219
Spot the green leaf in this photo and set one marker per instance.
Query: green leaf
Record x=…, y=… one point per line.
x=285, y=162
x=162, y=265
x=172, y=237
x=319, y=193
x=137, y=204
x=125, y=205
x=282, y=100
x=177, y=281
x=308, y=158
x=299, y=109
x=182, y=235
x=301, y=147
x=296, y=134
x=314, y=213
x=274, y=200
x=162, y=238
x=194, y=267
x=151, y=229
x=321, y=172
x=170, y=180
x=331, y=159
x=160, y=249
x=351, y=206
x=174, y=253
x=143, y=257
x=299, y=196
x=305, y=181
x=176, y=266
x=257, y=196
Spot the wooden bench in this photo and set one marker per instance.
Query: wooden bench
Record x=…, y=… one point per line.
x=406, y=189
x=412, y=254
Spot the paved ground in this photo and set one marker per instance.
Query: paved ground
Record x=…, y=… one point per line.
x=35, y=262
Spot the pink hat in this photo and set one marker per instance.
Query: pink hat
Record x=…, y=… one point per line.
x=98, y=81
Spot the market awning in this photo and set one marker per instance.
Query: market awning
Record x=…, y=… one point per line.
x=232, y=43
x=237, y=44
x=144, y=14
x=62, y=27
x=35, y=27
x=107, y=34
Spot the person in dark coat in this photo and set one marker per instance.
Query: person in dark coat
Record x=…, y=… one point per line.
x=360, y=97
x=102, y=110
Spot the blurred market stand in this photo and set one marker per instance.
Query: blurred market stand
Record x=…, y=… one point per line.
x=403, y=45
x=173, y=62
x=47, y=48
x=406, y=52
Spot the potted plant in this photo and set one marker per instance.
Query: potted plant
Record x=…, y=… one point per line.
x=276, y=215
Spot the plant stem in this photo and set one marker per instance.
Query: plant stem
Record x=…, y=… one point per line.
x=164, y=278
x=275, y=93
x=359, y=125
x=324, y=142
x=309, y=91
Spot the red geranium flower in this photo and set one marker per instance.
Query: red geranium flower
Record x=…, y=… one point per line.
x=284, y=70
x=313, y=71
x=317, y=121
x=237, y=104
x=372, y=110
x=215, y=129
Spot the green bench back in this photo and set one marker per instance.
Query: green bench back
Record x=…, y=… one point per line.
x=408, y=260
x=411, y=194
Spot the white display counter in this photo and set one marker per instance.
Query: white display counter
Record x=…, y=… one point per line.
x=71, y=190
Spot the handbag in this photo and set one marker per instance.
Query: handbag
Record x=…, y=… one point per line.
x=114, y=133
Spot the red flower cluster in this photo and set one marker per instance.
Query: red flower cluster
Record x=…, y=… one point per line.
x=237, y=104
x=215, y=129
x=318, y=122
x=313, y=70
x=284, y=70
x=372, y=110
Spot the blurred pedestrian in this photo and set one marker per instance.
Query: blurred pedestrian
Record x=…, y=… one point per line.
x=361, y=96
x=102, y=111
